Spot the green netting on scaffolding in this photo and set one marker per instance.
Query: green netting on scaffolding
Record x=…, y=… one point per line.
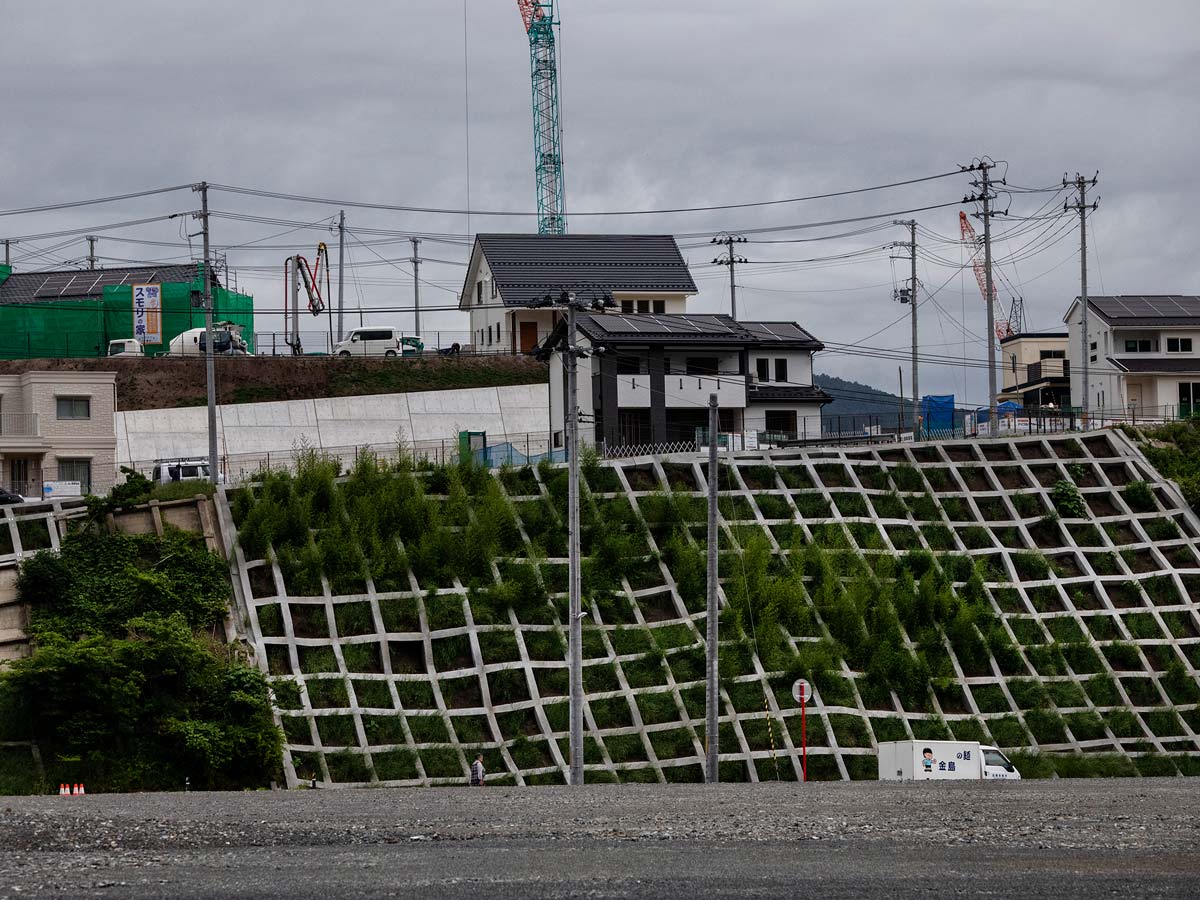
x=83, y=327
x=178, y=312
x=52, y=328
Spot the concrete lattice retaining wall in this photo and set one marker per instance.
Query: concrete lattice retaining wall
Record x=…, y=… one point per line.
x=1120, y=594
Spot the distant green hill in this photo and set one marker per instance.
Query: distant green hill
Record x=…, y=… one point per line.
x=851, y=398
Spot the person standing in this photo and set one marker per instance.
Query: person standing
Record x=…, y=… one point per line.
x=477, y=771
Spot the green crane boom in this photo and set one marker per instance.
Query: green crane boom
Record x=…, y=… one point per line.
x=538, y=16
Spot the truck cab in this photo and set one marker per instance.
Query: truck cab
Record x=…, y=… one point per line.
x=125, y=347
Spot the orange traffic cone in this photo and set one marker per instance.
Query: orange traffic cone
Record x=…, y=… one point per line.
x=82, y=790
x=75, y=793
x=62, y=790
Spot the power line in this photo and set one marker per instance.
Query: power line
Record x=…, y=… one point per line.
x=99, y=200
x=395, y=207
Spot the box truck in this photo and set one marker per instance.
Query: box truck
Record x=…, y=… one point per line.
x=943, y=761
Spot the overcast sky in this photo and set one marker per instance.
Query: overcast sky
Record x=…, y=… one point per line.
x=666, y=104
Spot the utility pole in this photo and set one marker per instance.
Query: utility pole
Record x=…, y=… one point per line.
x=985, y=197
x=1082, y=206
x=8, y=251
x=209, y=363
x=416, y=264
x=711, y=733
x=574, y=606
x=572, y=303
x=341, y=272
x=730, y=259
x=91, y=257
x=911, y=247
x=900, y=379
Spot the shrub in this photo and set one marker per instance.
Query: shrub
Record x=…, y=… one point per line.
x=1139, y=496
x=1067, y=500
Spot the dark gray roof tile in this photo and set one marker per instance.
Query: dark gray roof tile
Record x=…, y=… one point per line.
x=525, y=267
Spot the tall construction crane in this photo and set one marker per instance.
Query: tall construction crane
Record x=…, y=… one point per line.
x=538, y=16
x=1004, y=321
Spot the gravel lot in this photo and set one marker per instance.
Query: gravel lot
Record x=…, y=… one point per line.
x=1121, y=838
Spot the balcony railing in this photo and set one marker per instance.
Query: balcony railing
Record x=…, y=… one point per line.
x=19, y=424
x=1048, y=368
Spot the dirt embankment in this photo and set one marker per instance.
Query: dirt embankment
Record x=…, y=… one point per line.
x=158, y=383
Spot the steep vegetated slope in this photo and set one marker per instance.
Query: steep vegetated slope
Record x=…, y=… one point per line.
x=1040, y=594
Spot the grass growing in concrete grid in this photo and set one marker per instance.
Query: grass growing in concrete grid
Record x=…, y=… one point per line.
x=1037, y=593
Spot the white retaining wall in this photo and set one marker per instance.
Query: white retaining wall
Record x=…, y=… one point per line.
x=335, y=422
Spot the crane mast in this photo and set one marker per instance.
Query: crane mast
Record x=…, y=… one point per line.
x=538, y=16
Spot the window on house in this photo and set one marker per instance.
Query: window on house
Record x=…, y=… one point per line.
x=479, y=293
x=1013, y=357
x=1179, y=345
x=702, y=365
x=764, y=369
x=643, y=306
x=1139, y=346
x=781, y=370
x=74, y=408
x=660, y=306
x=627, y=306
x=1052, y=354
x=629, y=364
x=495, y=292
x=76, y=470
x=781, y=421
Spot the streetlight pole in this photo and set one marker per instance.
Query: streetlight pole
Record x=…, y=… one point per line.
x=711, y=734
x=571, y=303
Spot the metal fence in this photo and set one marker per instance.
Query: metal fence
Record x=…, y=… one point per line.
x=499, y=450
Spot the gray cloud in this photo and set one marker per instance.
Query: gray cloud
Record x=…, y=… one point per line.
x=672, y=103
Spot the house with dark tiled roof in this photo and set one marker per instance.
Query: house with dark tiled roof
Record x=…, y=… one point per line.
x=507, y=273
x=646, y=379
x=1143, y=354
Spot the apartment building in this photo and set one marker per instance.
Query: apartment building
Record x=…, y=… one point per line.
x=58, y=426
x=1036, y=369
x=1143, y=354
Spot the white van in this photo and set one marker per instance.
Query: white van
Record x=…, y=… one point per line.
x=943, y=761
x=227, y=341
x=125, y=347
x=377, y=341
x=167, y=471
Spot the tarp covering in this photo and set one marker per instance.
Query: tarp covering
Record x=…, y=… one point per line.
x=937, y=412
x=83, y=327
x=1002, y=409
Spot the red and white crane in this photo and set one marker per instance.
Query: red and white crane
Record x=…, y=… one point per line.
x=1004, y=325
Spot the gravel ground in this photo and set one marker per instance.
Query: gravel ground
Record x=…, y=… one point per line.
x=1060, y=839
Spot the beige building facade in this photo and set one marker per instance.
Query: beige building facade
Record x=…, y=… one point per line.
x=58, y=426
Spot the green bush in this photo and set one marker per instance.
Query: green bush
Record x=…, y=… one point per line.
x=1068, y=501
x=1139, y=496
x=124, y=678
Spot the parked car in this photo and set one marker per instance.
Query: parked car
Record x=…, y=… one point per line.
x=227, y=341
x=125, y=347
x=8, y=498
x=380, y=341
x=167, y=471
